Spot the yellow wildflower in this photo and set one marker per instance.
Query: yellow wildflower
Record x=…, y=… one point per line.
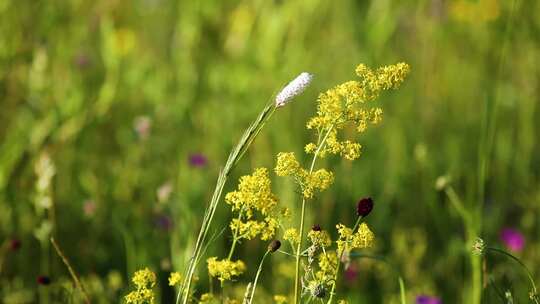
x=363, y=238
x=345, y=104
x=280, y=299
x=348, y=240
x=175, y=279
x=327, y=266
x=320, y=180
x=144, y=281
x=319, y=238
x=225, y=270
x=292, y=236
x=206, y=298
x=254, y=192
x=144, y=278
x=287, y=164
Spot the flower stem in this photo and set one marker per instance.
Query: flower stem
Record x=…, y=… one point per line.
x=534, y=293
x=320, y=145
x=257, y=277
x=71, y=270
x=332, y=291
x=235, y=155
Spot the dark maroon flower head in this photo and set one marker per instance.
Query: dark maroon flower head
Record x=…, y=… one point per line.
x=274, y=246
x=197, y=160
x=43, y=280
x=14, y=244
x=364, y=206
x=316, y=227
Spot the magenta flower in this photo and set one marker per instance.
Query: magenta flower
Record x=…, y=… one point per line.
x=197, y=160
x=423, y=299
x=351, y=273
x=512, y=239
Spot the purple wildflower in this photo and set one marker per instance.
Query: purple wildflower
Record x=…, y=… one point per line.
x=197, y=160
x=512, y=239
x=423, y=299
x=163, y=222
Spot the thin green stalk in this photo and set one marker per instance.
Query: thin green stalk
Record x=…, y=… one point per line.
x=257, y=277
x=71, y=270
x=401, y=282
x=332, y=291
x=235, y=155
x=534, y=295
x=320, y=144
x=489, y=128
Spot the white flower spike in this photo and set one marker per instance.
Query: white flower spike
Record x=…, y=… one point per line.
x=295, y=87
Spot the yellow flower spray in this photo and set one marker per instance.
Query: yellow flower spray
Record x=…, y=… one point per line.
x=342, y=106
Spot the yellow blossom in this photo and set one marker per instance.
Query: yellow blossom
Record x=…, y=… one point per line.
x=328, y=262
x=286, y=164
x=175, y=279
x=144, y=281
x=225, y=270
x=348, y=240
x=144, y=278
x=320, y=238
x=206, y=298
x=292, y=236
x=363, y=238
x=280, y=299
x=254, y=192
x=346, y=103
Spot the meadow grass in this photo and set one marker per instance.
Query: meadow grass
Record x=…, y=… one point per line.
x=118, y=117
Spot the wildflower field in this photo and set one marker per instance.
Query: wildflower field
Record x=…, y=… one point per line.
x=300, y=151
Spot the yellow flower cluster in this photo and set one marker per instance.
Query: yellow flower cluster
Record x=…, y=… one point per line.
x=328, y=262
x=316, y=181
x=320, y=238
x=292, y=236
x=206, y=298
x=348, y=240
x=254, y=194
x=175, y=279
x=280, y=299
x=225, y=270
x=250, y=229
x=345, y=104
x=144, y=281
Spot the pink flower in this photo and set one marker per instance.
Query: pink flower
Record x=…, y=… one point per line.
x=89, y=208
x=512, y=239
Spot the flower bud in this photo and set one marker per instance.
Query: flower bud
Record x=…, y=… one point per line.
x=274, y=246
x=364, y=207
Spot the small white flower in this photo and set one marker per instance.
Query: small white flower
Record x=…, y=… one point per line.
x=295, y=87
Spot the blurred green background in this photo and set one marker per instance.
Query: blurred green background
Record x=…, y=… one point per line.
x=119, y=96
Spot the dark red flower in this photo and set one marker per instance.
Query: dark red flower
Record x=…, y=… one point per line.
x=14, y=244
x=364, y=207
x=43, y=280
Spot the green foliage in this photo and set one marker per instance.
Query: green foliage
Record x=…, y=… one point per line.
x=120, y=95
